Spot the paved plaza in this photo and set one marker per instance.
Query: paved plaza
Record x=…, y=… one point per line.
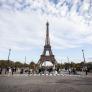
x=46, y=83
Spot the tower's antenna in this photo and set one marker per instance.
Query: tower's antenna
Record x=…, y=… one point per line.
x=47, y=41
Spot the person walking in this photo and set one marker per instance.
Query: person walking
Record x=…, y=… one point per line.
x=29, y=71
x=0, y=70
x=86, y=71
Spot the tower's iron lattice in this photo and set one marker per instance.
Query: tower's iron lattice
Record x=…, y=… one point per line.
x=47, y=47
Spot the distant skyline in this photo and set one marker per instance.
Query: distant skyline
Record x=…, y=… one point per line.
x=23, y=28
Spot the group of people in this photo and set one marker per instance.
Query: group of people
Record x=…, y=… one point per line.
x=7, y=70
x=13, y=70
x=74, y=71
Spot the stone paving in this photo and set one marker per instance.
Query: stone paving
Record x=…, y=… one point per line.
x=46, y=83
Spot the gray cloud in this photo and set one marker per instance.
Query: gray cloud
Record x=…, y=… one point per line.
x=25, y=30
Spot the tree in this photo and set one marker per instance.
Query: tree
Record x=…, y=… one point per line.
x=18, y=64
x=32, y=65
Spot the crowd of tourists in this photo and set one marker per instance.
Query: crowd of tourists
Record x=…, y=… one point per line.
x=14, y=70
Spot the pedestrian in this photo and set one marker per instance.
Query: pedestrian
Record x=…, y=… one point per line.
x=22, y=70
x=29, y=72
x=69, y=71
x=86, y=71
x=74, y=71
x=12, y=70
x=0, y=70
x=5, y=70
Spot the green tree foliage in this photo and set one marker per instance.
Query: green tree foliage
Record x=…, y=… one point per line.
x=32, y=65
x=6, y=63
x=18, y=64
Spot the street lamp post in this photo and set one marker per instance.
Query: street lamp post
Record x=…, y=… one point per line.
x=68, y=62
x=6, y=69
x=68, y=59
x=83, y=56
x=84, y=66
x=61, y=66
x=68, y=65
x=9, y=55
x=25, y=59
x=83, y=60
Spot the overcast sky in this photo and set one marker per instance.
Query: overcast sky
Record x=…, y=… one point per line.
x=23, y=27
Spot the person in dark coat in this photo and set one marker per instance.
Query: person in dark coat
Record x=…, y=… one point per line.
x=12, y=69
x=0, y=70
x=86, y=71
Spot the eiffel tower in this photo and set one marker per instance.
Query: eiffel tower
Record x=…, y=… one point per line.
x=47, y=47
